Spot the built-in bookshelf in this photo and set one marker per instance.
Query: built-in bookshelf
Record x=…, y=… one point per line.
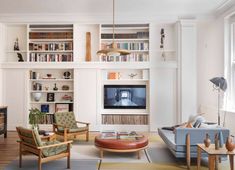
x=50, y=43
x=51, y=90
x=132, y=37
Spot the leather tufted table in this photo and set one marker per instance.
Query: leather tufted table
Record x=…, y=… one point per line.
x=132, y=144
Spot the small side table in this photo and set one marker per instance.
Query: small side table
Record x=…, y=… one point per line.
x=212, y=154
x=50, y=137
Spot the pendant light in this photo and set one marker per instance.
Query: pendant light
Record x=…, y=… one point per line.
x=113, y=51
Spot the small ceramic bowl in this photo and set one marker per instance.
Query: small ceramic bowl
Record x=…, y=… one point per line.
x=49, y=75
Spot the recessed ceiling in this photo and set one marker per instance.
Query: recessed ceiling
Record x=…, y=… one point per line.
x=104, y=7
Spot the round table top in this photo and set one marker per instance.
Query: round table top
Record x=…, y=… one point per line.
x=124, y=142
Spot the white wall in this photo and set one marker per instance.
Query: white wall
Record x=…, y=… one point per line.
x=210, y=61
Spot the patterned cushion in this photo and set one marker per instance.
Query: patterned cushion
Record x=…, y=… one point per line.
x=53, y=150
x=26, y=133
x=66, y=119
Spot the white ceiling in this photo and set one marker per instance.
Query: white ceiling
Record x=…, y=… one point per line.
x=123, y=7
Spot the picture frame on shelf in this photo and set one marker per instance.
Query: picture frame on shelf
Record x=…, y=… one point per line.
x=45, y=108
x=62, y=107
x=50, y=97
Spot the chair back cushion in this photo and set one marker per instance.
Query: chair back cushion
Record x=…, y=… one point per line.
x=66, y=119
x=29, y=136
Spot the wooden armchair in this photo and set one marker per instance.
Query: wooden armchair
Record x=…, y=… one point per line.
x=65, y=125
x=30, y=142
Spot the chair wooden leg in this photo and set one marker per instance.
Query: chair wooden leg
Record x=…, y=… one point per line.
x=231, y=159
x=188, y=158
x=68, y=157
x=87, y=136
x=65, y=137
x=20, y=156
x=39, y=163
x=40, y=160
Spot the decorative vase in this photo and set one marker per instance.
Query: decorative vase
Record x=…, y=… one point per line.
x=216, y=141
x=37, y=96
x=229, y=144
x=207, y=141
x=221, y=139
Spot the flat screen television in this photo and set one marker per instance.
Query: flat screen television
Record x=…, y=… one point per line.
x=124, y=96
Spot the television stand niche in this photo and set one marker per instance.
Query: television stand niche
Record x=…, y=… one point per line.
x=3, y=120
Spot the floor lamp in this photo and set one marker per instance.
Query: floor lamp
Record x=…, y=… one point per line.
x=219, y=83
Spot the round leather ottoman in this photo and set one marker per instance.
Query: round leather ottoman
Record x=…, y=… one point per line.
x=121, y=145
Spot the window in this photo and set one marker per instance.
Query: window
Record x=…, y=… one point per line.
x=229, y=66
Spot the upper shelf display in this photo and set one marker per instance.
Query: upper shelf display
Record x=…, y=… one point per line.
x=132, y=37
x=50, y=43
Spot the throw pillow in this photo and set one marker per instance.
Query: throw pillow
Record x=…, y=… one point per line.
x=205, y=125
x=198, y=121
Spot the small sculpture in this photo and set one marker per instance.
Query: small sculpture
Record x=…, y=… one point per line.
x=20, y=58
x=162, y=44
x=207, y=140
x=55, y=88
x=216, y=141
x=162, y=38
x=67, y=75
x=229, y=144
x=221, y=140
x=16, y=45
x=132, y=75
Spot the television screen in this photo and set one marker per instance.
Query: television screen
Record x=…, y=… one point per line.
x=125, y=96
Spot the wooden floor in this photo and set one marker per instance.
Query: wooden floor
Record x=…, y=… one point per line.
x=8, y=148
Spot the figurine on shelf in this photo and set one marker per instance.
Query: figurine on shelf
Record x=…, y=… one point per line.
x=67, y=75
x=132, y=75
x=162, y=38
x=162, y=44
x=20, y=58
x=55, y=88
x=16, y=45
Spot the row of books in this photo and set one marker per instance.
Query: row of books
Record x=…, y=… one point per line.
x=37, y=57
x=133, y=57
x=47, y=119
x=50, y=35
x=128, y=46
x=125, y=119
x=51, y=46
x=125, y=35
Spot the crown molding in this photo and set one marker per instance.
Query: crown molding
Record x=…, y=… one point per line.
x=224, y=7
x=95, y=19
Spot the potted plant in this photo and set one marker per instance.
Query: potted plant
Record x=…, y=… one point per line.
x=35, y=116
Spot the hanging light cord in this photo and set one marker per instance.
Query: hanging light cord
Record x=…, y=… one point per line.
x=113, y=19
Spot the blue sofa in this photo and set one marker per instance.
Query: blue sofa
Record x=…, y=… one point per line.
x=183, y=141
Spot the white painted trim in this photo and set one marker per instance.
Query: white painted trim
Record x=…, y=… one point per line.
x=95, y=18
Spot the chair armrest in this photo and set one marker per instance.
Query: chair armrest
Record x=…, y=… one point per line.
x=55, y=126
x=53, y=145
x=83, y=122
x=58, y=125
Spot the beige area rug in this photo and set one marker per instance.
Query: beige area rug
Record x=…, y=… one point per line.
x=87, y=150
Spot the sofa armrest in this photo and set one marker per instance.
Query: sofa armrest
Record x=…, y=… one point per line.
x=197, y=135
